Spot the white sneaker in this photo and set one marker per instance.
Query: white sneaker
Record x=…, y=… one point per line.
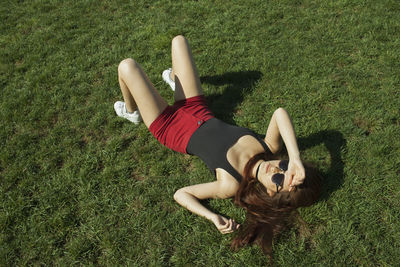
x=166, y=75
x=120, y=109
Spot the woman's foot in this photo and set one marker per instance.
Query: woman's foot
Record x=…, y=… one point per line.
x=166, y=75
x=120, y=109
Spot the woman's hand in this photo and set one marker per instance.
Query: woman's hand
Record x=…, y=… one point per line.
x=224, y=225
x=296, y=173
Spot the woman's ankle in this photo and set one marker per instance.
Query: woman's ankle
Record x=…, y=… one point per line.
x=130, y=110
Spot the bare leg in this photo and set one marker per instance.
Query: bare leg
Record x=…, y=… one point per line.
x=139, y=92
x=184, y=71
x=128, y=98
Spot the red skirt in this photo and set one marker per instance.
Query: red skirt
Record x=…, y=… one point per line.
x=176, y=124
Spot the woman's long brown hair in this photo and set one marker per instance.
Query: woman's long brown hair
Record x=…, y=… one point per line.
x=267, y=216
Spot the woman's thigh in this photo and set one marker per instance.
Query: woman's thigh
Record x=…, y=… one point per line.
x=147, y=98
x=187, y=81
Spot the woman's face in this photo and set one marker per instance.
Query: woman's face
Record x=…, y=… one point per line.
x=270, y=171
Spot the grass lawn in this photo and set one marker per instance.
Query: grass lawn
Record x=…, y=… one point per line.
x=80, y=186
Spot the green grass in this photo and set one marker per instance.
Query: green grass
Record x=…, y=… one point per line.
x=80, y=186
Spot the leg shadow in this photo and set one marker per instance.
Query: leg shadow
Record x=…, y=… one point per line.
x=239, y=83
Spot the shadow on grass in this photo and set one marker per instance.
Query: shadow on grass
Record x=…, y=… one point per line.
x=335, y=143
x=239, y=83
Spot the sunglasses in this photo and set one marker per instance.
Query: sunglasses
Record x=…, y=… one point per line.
x=277, y=178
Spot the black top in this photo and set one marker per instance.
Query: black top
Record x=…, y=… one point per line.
x=212, y=141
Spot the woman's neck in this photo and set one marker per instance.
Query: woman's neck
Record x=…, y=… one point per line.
x=256, y=169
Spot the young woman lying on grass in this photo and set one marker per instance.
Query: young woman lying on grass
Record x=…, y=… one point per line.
x=245, y=165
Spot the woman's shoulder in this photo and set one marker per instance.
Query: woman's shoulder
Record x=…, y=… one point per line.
x=251, y=144
x=228, y=184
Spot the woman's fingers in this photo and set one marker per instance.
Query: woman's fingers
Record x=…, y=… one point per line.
x=298, y=178
x=296, y=173
x=229, y=227
x=235, y=226
x=290, y=178
x=224, y=225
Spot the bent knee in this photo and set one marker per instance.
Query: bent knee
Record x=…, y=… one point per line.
x=280, y=109
x=127, y=65
x=179, y=40
x=178, y=194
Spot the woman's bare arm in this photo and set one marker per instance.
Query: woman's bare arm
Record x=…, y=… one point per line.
x=281, y=127
x=189, y=197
